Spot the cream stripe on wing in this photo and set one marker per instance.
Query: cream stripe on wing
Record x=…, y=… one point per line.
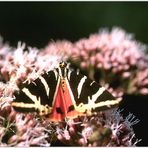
x=33, y=98
x=60, y=72
x=80, y=85
x=98, y=93
x=45, y=85
x=69, y=74
x=56, y=74
x=92, y=83
x=23, y=105
x=56, y=90
x=71, y=93
x=107, y=103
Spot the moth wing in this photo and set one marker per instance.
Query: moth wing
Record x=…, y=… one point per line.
x=37, y=95
x=90, y=93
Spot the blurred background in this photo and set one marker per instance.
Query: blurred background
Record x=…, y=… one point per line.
x=37, y=23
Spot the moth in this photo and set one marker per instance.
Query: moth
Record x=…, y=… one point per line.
x=62, y=93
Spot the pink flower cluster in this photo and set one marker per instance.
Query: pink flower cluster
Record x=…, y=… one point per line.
x=103, y=129
x=19, y=64
x=60, y=47
x=114, y=56
x=113, y=50
x=140, y=82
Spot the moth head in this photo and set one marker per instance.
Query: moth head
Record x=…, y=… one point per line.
x=62, y=64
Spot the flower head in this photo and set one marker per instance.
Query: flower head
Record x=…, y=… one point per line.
x=110, y=58
x=102, y=129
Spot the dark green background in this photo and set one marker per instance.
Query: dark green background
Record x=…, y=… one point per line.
x=37, y=23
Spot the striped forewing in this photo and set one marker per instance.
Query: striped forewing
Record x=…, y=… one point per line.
x=40, y=91
x=84, y=89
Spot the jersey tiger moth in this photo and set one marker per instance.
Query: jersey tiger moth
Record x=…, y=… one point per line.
x=62, y=93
